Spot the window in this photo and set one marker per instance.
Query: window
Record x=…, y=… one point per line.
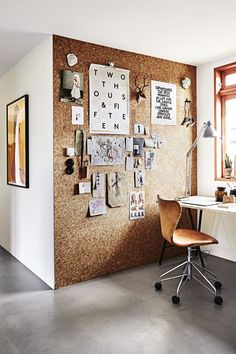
x=225, y=118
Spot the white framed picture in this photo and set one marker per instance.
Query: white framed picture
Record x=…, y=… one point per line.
x=109, y=100
x=163, y=103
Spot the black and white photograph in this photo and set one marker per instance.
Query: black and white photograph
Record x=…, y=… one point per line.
x=72, y=85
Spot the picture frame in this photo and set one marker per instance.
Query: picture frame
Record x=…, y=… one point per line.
x=17, y=116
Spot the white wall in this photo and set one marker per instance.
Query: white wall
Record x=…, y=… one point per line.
x=26, y=215
x=221, y=226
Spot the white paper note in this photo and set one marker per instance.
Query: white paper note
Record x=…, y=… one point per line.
x=77, y=115
x=129, y=144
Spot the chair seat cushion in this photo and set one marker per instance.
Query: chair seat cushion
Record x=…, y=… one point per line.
x=186, y=238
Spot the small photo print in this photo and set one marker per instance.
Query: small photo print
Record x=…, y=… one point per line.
x=138, y=144
x=136, y=205
x=72, y=86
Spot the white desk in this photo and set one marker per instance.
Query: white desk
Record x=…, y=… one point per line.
x=202, y=203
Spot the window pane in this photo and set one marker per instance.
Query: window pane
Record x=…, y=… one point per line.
x=230, y=79
x=230, y=128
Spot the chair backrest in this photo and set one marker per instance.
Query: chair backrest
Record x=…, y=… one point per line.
x=170, y=213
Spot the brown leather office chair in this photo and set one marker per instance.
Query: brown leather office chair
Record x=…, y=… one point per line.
x=170, y=213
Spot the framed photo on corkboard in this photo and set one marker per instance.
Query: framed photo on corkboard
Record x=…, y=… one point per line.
x=18, y=142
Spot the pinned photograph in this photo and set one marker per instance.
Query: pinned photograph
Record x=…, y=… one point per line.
x=72, y=86
x=139, y=179
x=136, y=205
x=150, y=160
x=138, y=146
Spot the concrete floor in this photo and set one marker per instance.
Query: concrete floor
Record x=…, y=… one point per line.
x=120, y=313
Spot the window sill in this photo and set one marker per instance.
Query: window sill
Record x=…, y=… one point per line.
x=232, y=179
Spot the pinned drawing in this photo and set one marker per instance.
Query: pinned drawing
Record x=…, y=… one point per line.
x=107, y=150
x=150, y=160
x=136, y=205
x=98, y=185
x=117, y=192
x=139, y=179
x=97, y=207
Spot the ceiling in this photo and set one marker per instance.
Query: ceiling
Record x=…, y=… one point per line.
x=193, y=32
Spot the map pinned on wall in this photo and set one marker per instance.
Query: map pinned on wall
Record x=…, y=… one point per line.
x=117, y=192
x=108, y=99
x=163, y=103
x=99, y=190
x=136, y=205
x=107, y=150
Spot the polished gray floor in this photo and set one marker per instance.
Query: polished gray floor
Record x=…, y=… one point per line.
x=120, y=313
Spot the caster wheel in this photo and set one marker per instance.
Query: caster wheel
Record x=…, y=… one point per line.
x=218, y=300
x=175, y=299
x=218, y=285
x=158, y=286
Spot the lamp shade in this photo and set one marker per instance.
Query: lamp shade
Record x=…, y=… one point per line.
x=209, y=131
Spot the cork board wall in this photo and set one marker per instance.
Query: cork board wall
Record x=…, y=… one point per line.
x=88, y=247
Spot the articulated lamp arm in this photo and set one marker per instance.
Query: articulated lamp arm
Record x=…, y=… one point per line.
x=187, y=164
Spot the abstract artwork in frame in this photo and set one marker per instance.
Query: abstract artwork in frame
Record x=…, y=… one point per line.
x=18, y=142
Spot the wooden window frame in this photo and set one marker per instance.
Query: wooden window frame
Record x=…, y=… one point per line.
x=221, y=94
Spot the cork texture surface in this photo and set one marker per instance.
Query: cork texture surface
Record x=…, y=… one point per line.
x=87, y=247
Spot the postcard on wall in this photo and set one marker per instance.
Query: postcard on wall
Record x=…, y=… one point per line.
x=129, y=163
x=150, y=160
x=99, y=190
x=97, y=207
x=108, y=99
x=77, y=115
x=139, y=179
x=138, y=129
x=138, y=146
x=72, y=83
x=85, y=187
x=107, y=150
x=136, y=205
x=163, y=103
x=129, y=144
x=89, y=147
x=117, y=189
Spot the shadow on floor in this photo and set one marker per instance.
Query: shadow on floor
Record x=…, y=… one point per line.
x=15, y=277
